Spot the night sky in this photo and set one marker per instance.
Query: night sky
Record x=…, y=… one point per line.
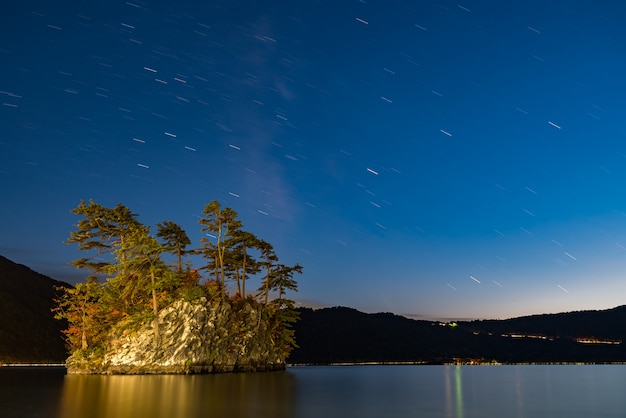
x=433, y=159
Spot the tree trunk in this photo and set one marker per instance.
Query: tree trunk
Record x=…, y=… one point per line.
x=83, y=339
x=155, y=309
x=267, y=287
x=238, y=277
x=243, y=275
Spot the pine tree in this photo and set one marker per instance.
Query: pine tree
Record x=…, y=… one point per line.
x=268, y=260
x=220, y=224
x=243, y=262
x=101, y=230
x=282, y=280
x=175, y=240
x=143, y=274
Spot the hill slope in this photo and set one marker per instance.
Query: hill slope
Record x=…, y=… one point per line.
x=28, y=330
x=336, y=335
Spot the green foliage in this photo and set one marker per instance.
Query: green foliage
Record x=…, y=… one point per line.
x=87, y=316
x=267, y=264
x=221, y=224
x=137, y=282
x=175, y=240
x=192, y=293
x=286, y=317
x=135, y=321
x=101, y=231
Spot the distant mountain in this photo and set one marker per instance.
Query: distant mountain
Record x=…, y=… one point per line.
x=28, y=330
x=336, y=335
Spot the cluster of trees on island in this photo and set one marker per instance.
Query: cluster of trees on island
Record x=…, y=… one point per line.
x=131, y=278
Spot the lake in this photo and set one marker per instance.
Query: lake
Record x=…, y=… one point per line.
x=532, y=391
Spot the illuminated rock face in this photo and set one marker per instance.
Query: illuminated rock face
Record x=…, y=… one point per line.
x=194, y=338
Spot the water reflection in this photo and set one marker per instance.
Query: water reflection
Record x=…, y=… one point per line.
x=458, y=379
x=222, y=395
x=328, y=392
x=454, y=401
x=30, y=391
x=519, y=395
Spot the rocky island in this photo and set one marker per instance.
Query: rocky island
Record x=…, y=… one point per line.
x=137, y=314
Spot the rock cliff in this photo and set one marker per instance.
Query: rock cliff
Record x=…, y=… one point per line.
x=200, y=337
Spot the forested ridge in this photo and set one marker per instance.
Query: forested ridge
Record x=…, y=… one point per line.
x=338, y=335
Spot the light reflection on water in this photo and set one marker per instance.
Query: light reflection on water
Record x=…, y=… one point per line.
x=221, y=395
x=458, y=380
x=323, y=392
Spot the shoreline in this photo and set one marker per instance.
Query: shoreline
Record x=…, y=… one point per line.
x=424, y=363
x=354, y=364
x=32, y=365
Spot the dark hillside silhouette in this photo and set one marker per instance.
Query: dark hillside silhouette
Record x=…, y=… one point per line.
x=337, y=335
x=28, y=330
x=605, y=324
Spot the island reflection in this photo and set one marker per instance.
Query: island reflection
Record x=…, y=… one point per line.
x=218, y=395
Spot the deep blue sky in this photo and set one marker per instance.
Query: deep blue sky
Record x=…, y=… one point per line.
x=437, y=158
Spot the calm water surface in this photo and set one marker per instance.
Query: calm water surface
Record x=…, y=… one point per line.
x=323, y=392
